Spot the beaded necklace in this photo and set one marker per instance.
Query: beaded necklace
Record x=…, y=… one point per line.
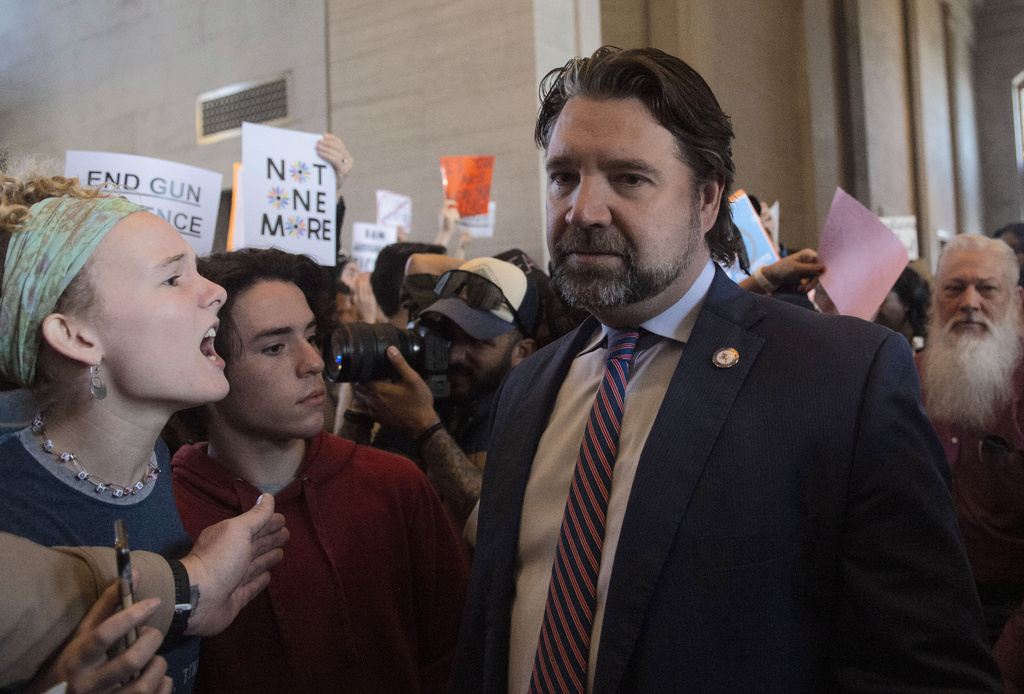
x=39, y=429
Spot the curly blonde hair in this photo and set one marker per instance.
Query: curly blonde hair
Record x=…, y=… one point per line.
x=16, y=197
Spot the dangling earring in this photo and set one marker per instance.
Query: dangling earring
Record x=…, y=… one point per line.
x=96, y=385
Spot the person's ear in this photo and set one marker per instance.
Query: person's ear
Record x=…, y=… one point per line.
x=1018, y=298
x=523, y=349
x=710, y=201
x=72, y=338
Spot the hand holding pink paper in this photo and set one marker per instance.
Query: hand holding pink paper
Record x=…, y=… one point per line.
x=864, y=258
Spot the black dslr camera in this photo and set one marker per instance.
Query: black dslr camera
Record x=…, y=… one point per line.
x=356, y=354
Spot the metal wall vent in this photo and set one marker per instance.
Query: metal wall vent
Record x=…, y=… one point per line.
x=220, y=113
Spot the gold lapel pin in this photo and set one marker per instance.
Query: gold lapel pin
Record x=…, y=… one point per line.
x=726, y=358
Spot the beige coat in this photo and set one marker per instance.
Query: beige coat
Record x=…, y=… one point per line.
x=45, y=593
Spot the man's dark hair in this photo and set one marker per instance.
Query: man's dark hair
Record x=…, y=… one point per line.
x=389, y=271
x=240, y=270
x=676, y=96
x=913, y=293
x=555, y=318
x=1016, y=228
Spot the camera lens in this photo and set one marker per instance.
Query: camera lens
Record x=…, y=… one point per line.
x=357, y=352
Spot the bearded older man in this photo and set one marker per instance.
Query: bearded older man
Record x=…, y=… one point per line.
x=972, y=378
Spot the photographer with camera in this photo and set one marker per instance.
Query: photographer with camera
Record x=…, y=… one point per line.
x=487, y=312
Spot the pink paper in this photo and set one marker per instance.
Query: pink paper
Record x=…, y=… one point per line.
x=862, y=256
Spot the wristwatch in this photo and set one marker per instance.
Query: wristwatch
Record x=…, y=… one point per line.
x=186, y=598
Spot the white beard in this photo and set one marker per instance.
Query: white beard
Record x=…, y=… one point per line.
x=968, y=378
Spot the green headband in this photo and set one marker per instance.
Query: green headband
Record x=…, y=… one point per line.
x=44, y=255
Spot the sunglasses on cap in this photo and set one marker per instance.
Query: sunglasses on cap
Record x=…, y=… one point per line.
x=477, y=292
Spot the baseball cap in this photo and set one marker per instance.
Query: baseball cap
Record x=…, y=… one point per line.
x=487, y=297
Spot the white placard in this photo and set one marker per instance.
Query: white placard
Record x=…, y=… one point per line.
x=368, y=240
x=905, y=228
x=287, y=192
x=394, y=210
x=479, y=225
x=186, y=196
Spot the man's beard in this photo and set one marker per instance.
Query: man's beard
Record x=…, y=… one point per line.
x=601, y=287
x=968, y=378
x=489, y=380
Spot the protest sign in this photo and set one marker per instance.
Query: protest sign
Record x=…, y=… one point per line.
x=185, y=196
x=287, y=193
x=756, y=241
x=479, y=225
x=394, y=210
x=862, y=256
x=367, y=242
x=905, y=228
x=467, y=180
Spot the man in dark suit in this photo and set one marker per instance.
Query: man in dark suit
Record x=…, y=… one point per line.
x=758, y=502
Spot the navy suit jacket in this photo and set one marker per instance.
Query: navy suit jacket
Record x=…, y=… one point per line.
x=790, y=527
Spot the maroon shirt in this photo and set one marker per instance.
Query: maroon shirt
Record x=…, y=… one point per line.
x=988, y=491
x=369, y=595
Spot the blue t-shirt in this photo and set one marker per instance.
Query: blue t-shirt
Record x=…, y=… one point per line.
x=39, y=503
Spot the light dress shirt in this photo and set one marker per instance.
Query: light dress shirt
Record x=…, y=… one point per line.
x=555, y=462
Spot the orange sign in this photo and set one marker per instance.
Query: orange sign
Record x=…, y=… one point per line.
x=467, y=180
x=235, y=235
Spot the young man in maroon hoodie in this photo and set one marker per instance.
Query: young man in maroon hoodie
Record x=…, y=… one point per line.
x=369, y=594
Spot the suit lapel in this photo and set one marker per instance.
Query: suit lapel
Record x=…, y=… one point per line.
x=695, y=407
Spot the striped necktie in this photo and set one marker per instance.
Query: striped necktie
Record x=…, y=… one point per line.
x=564, y=646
